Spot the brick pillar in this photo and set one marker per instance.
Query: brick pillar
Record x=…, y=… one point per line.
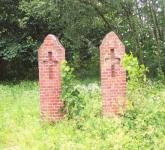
x=113, y=75
x=50, y=55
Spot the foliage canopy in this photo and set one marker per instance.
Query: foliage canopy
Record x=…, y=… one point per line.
x=80, y=25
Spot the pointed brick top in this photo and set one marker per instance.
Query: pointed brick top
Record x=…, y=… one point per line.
x=52, y=40
x=111, y=40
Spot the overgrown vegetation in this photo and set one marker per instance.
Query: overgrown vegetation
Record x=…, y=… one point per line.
x=142, y=126
x=71, y=93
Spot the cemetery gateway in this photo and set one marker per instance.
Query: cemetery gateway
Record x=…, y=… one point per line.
x=113, y=76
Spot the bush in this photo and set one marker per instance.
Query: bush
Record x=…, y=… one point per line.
x=135, y=73
x=73, y=101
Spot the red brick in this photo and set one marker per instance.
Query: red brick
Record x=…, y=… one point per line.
x=50, y=55
x=113, y=87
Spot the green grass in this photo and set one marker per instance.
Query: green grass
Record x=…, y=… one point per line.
x=142, y=126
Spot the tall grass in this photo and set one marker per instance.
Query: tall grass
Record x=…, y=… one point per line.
x=141, y=127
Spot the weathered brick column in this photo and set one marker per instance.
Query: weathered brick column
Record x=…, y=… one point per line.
x=50, y=55
x=113, y=75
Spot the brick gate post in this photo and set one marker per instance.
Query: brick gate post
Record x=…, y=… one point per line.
x=50, y=55
x=113, y=75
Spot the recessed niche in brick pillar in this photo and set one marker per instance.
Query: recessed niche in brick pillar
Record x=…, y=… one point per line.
x=113, y=75
x=50, y=55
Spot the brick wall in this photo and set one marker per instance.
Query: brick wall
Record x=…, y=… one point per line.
x=50, y=55
x=113, y=75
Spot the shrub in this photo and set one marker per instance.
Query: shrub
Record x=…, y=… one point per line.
x=135, y=73
x=73, y=101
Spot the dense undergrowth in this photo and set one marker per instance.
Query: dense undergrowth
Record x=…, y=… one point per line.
x=141, y=127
